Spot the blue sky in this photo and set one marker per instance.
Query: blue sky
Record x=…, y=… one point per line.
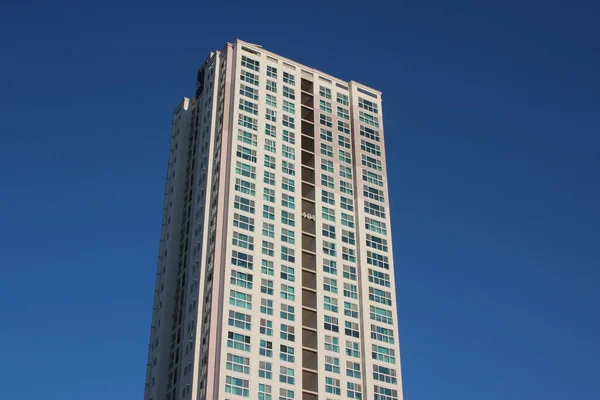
x=491, y=114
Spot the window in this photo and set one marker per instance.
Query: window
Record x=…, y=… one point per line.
x=354, y=390
x=325, y=120
x=241, y=279
x=376, y=226
x=271, y=72
x=325, y=106
x=266, y=306
x=269, y=178
x=287, y=273
x=380, y=296
x=288, y=151
x=371, y=162
x=238, y=341
x=348, y=237
x=287, y=218
x=271, y=86
x=250, y=63
x=348, y=254
x=246, y=153
x=328, y=214
x=326, y=150
x=383, y=354
x=268, y=248
x=348, y=220
x=381, y=315
x=377, y=243
x=288, y=107
x=324, y=92
x=288, y=254
x=287, y=184
x=269, y=195
x=269, y=161
x=266, y=348
x=379, y=278
x=242, y=240
x=331, y=323
x=350, y=272
x=330, y=285
x=329, y=248
x=265, y=370
x=327, y=181
x=352, y=349
x=353, y=369
x=382, y=334
x=332, y=385
x=286, y=375
x=271, y=115
x=288, y=201
x=249, y=77
x=287, y=312
x=370, y=147
x=350, y=310
x=268, y=230
x=287, y=332
x=266, y=286
x=326, y=165
x=246, y=170
x=241, y=203
x=326, y=135
x=288, y=121
x=369, y=133
x=346, y=187
x=331, y=304
x=344, y=141
x=345, y=156
x=332, y=343
x=289, y=93
x=243, y=222
x=242, y=259
x=342, y=99
x=286, y=394
x=286, y=353
x=375, y=209
x=373, y=178
x=347, y=204
x=382, y=393
x=343, y=127
x=342, y=112
x=327, y=197
x=245, y=187
x=288, y=78
x=239, y=320
x=288, y=168
x=332, y=364
x=268, y=212
x=351, y=329
x=237, y=386
x=248, y=106
x=289, y=137
x=368, y=119
x=329, y=266
x=367, y=105
x=329, y=231
x=240, y=299
x=249, y=92
x=384, y=374
x=238, y=363
x=350, y=290
x=271, y=100
x=264, y=391
x=287, y=292
x=267, y=267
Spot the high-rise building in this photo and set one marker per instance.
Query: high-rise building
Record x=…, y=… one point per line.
x=275, y=274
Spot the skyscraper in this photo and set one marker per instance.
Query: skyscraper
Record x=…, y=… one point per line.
x=275, y=275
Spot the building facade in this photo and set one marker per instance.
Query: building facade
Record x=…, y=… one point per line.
x=275, y=276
